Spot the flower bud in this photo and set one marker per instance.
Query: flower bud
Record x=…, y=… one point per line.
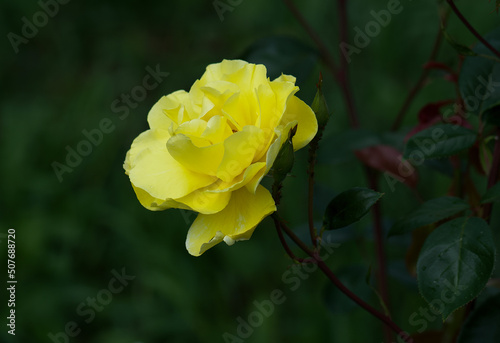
x=284, y=161
x=319, y=105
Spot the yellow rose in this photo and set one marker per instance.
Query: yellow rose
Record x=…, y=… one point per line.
x=208, y=150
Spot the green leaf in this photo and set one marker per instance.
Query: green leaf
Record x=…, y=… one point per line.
x=455, y=263
x=428, y=213
x=478, y=81
x=348, y=207
x=439, y=141
x=482, y=325
x=492, y=194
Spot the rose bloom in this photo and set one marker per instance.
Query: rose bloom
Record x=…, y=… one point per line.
x=208, y=149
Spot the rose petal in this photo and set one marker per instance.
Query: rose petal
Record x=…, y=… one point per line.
x=236, y=222
x=169, y=109
x=239, y=151
x=151, y=168
x=307, y=127
x=205, y=160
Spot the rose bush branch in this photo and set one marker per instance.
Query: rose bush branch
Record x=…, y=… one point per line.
x=378, y=232
x=323, y=50
x=493, y=175
x=283, y=240
x=313, y=147
x=343, y=73
x=342, y=78
x=320, y=108
x=471, y=28
x=495, y=168
x=344, y=81
x=333, y=278
x=421, y=80
x=340, y=75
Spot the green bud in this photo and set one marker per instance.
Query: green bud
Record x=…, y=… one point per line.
x=319, y=105
x=284, y=161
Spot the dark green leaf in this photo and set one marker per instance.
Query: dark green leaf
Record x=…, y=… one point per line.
x=482, y=325
x=439, y=141
x=492, y=194
x=478, y=80
x=348, y=207
x=429, y=212
x=455, y=263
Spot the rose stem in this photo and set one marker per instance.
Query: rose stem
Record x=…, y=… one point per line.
x=471, y=28
x=333, y=278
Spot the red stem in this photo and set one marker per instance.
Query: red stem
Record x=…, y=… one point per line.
x=329, y=273
x=379, y=242
x=283, y=241
x=471, y=28
x=343, y=79
x=312, y=231
x=493, y=176
x=339, y=75
x=421, y=80
x=323, y=50
x=343, y=73
x=313, y=148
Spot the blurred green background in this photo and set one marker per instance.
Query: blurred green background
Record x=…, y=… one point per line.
x=70, y=235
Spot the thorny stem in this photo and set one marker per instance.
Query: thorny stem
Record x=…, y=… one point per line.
x=313, y=148
x=333, y=278
x=323, y=50
x=283, y=240
x=493, y=176
x=342, y=78
x=471, y=28
x=340, y=75
x=495, y=168
x=379, y=243
x=343, y=73
x=421, y=80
